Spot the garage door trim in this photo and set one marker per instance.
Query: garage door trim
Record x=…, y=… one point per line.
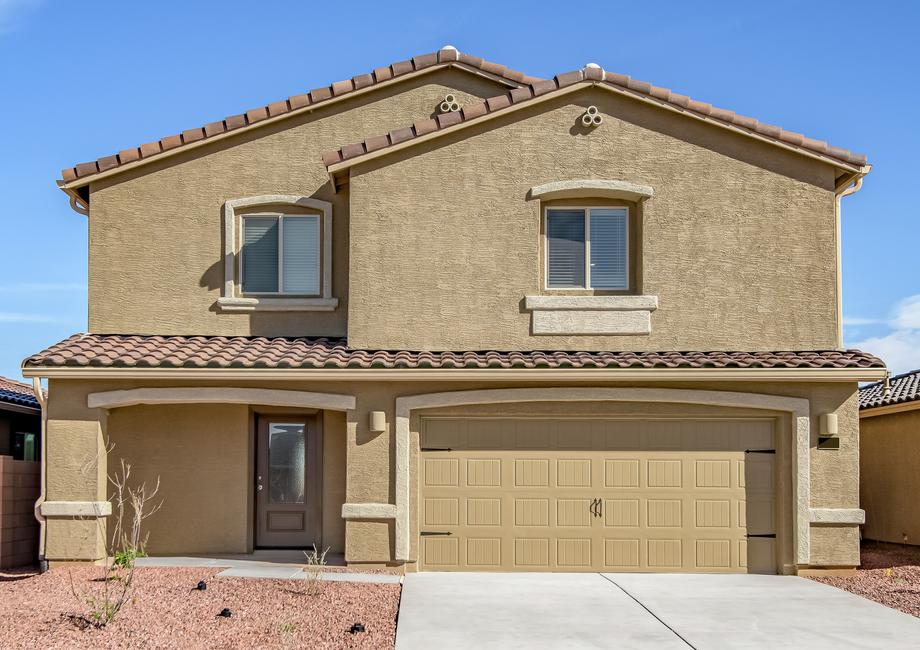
x=799, y=410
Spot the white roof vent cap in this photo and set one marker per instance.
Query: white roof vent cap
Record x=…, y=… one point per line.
x=449, y=47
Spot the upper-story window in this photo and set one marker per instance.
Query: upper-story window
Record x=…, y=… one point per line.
x=587, y=248
x=277, y=254
x=281, y=254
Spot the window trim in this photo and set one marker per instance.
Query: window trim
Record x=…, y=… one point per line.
x=280, y=293
x=587, y=211
x=233, y=300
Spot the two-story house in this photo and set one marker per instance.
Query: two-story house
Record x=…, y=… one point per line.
x=448, y=316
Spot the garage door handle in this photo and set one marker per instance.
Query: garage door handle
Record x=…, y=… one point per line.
x=770, y=535
x=430, y=533
x=596, y=507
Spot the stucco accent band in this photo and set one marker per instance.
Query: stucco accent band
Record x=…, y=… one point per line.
x=368, y=511
x=592, y=188
x=276, y=304
x=799, y=409
x=838, y=516
x=201, y=395
x=76, y=508
x=591, y=314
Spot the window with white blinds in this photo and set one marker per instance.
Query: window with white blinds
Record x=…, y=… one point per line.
x=587, y=248
x=281, y=254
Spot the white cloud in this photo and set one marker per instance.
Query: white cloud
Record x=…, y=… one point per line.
x=13, y=317
x=907, y=313
x=11, y=10
x=900, y=348
x=42, y=287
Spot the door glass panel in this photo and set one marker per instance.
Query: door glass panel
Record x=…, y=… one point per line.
x=286, y=462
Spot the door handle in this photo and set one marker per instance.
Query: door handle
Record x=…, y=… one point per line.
x=600, y=507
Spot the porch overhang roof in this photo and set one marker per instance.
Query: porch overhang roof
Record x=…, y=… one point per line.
x=115, y=355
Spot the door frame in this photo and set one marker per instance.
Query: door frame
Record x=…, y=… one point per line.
x=314, y=472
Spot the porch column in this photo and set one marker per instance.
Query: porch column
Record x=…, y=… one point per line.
x=76, y=505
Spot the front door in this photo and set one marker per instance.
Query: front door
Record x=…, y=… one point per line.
x=288, y=482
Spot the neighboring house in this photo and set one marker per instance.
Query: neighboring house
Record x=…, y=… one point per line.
x=20, y=427
x=466, y=342
x=889, y=458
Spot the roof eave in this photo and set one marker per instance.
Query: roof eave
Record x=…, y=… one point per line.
x=889, y=409
x=466, y=374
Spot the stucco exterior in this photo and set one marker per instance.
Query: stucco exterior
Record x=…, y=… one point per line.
x=889, y=483
x=732, y=245
x=138, y=215
x=736, y=233
x=200, y=453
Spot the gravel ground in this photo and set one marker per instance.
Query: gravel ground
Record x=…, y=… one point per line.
x=166, y=613
x=890, y=575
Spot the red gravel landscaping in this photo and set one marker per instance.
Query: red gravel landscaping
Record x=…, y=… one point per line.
x=166, y=612
x=890, y=575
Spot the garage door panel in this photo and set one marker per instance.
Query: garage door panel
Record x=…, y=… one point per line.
x=573, y=513
x=664, y=473
x=573, y=472
x=621, y=473
x=621, y=513
x=483, y=511
x=591, y=494
x=484, y=472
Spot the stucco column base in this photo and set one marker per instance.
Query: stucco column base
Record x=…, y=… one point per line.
x=75, y=539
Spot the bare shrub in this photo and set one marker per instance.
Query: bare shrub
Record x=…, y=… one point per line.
x=131, y=506
x=316, y=562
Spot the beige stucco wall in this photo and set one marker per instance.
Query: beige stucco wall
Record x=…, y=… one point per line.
x=737, y=242
x=201, y=454
x=365, y=460
x=889, y=481
x=137, y=217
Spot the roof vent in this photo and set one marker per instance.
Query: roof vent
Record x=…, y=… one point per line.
x=449, y=47
x=449, y=105
x=595, y=66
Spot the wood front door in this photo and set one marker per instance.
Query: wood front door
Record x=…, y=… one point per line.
x=288, y=482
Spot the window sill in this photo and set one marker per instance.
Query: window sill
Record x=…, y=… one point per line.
x=231, y=305
x=605, y=315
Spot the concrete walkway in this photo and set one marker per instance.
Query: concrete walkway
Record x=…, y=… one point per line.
x=662, y=611
x=272, y=566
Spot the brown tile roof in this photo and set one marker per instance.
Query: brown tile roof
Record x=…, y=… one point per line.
x=446, y=56
x=593, y=75
x=902, y=388
x=131, y=351
x=14, y=392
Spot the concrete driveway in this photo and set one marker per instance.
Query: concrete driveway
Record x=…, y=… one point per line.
x=661, y=611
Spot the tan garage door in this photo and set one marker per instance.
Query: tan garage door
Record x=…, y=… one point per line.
x=596, y=495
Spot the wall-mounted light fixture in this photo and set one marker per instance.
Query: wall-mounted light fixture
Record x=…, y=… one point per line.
x=378, y=421
x=828, y=437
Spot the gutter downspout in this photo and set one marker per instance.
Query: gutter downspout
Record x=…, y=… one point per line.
x=846, y=190
x=42, y=534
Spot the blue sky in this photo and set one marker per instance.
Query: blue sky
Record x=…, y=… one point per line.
x=79, y=80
